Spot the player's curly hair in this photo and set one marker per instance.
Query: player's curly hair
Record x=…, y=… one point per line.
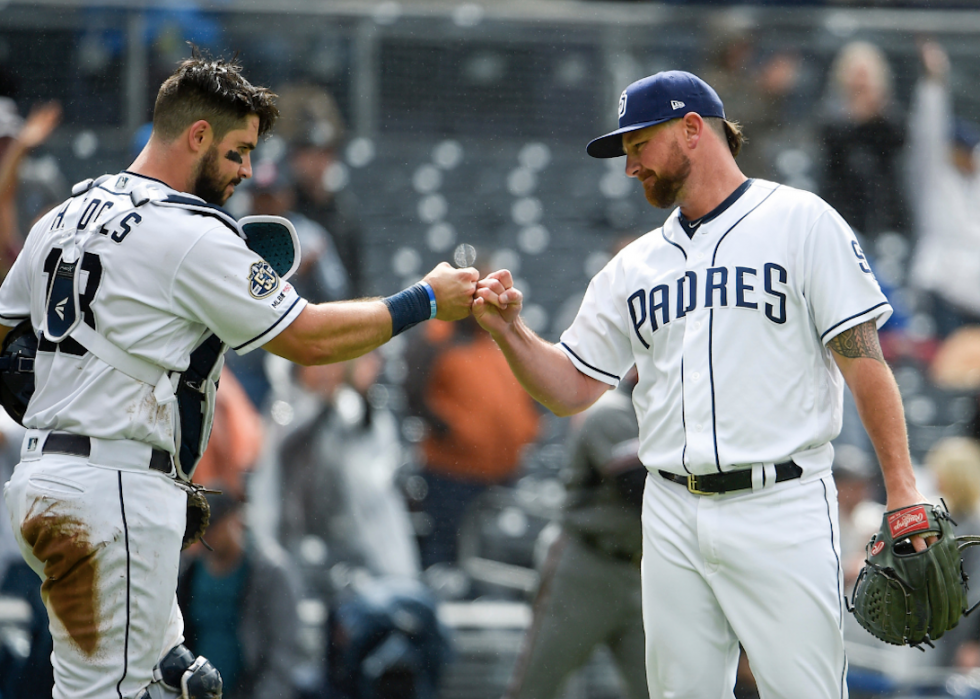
x=731, y=131
x=212, y=89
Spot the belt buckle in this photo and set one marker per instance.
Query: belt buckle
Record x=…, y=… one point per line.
x=692, y=485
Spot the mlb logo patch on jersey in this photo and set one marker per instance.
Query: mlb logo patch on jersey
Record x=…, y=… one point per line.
x=262, y=279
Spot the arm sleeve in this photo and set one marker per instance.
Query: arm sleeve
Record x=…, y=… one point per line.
x=597, y=341
x=233, y=291
x=930, y=117
x=840, y=288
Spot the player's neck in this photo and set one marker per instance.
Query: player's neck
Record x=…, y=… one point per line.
x=164, y=165
x=709, y=187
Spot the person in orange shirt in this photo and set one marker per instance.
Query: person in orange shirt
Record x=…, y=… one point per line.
x=236, y=438
x=478, y=420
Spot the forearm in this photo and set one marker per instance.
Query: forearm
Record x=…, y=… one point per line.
x=334, y=332
x=880, y=406
x=9, y=168
x=546, y=372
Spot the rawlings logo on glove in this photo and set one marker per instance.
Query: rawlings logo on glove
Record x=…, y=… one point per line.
x=908, y=521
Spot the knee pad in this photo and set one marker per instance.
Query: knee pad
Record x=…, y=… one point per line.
x=189, y=676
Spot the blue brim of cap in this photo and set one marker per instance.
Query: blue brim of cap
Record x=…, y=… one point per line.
x=611, y=145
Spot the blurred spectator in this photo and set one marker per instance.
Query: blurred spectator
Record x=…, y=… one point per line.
x=955, y=367
x=945, y=193
x=42, y=186
x=339, y=501
x=385, y=641
x=236, y=438
x=31, y=676
x=858, y=512
x=17, y=139
x=239, y=606
x=589, y=590
x=477, y=417
x=955, y=464
x=862, y=140
x=758, y=90
x=11, y=435
x=311, y=124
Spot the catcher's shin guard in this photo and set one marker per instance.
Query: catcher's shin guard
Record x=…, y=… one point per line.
x=185, y=675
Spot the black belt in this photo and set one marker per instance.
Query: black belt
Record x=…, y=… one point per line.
x=80, y=445
x=715, y=483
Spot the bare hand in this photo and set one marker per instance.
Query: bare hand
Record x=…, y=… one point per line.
x=39, y=124
x=935, y=60
x=454, y=289
x=498, y=303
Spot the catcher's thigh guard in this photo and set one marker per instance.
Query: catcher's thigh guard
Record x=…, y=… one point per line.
x=185, y=675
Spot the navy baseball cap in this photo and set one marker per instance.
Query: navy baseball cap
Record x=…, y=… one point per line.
x=654, y=100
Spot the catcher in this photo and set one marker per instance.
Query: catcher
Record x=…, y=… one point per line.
x=906, y=596
x=134, y=288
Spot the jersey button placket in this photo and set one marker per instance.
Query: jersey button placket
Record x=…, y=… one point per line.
x=697, y=393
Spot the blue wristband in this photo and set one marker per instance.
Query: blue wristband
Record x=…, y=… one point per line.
x=410, y=307
x=432, y=299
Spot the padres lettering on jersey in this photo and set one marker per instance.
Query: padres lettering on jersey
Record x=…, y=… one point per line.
x=716, y=325
x=714, y=294
x=159, y=270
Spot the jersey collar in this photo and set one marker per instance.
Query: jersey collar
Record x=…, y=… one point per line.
x=691, y=227
x=719, y=220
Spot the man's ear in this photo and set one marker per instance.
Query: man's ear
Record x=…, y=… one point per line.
x=200, y=135
x=693, y=127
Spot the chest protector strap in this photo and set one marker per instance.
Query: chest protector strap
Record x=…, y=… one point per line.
x=196, y=393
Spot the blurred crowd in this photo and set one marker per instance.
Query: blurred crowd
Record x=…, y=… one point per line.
x=354, y=499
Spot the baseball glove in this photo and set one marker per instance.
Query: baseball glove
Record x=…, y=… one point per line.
x=198, y=513
x=904, y=597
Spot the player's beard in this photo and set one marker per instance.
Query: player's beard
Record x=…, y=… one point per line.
x=207, y=183
x=668, y=184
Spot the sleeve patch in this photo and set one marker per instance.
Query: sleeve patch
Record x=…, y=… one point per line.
x=262, y=279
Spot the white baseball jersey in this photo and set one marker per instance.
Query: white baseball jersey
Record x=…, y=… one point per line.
x=154, y=280
x=728, y=331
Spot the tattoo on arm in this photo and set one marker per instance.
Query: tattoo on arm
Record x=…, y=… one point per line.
x=859, y=341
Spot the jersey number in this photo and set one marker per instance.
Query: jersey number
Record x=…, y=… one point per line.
x=93, y=266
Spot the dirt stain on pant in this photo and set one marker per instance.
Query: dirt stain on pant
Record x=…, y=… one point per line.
x=69, y=589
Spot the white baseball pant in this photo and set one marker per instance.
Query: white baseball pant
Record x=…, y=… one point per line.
x=757, y=567
x=104, y=535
